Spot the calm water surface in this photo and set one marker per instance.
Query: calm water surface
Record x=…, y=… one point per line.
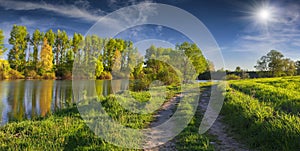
x=26, y=99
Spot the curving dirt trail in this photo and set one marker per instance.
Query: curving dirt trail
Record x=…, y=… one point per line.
x=224, y=140
x=165, y=112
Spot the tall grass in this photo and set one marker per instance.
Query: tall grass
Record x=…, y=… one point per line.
x=282, y=98
x=259, y=124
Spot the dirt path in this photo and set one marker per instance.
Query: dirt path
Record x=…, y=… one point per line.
x=163, y=115
x=225, y=141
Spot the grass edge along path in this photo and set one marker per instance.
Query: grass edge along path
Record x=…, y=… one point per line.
x=259, y=125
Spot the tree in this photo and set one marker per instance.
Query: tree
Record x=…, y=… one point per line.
x=272, y=62
x=46, y=64
x=275, y=62
x=238, y=69
x=262, y=64
x=36, y=40
x=61, y=45
x=289, y=67
x=69, y=61
x=109, y=52
x=210, y=66
x=192, y=51
x=196, y=61
x=99, y=67
x=117, y=61
x=50, y=35
x=17, y=55
x=2, y=48
x=77, y=40
x=297, y=66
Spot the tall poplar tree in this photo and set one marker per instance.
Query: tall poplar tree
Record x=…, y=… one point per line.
x=36, y=41
x=17, y=55
x=2, y=48
x=46, y=58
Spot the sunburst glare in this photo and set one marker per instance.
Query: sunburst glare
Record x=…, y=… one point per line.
x=262, y=14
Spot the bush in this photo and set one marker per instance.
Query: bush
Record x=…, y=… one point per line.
x=48, y=75
x=14, y=74
x=232, y=77
x=32, y=74
x=105, y=75
x=67, y=75
x=4, y=69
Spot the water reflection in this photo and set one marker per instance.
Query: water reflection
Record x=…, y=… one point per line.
x=29, y=99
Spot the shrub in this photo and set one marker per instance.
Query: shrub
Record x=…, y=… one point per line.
x=67, y=75
x=48, y=75
x=32, y=74
x=4, y=69
x=232, y=77
x=105, y=75
x=14, y=74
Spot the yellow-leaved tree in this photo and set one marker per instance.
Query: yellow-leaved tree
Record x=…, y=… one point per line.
x=46, y=64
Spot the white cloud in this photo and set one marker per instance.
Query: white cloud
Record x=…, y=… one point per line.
x=116, y=4
x=69, y=10
x=282, y=34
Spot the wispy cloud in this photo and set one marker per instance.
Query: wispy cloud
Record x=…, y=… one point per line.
x=116, y=4
x=70, y=10
x=283, y=33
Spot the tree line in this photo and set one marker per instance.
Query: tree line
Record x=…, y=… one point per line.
x=50, y=55
x=273, y=64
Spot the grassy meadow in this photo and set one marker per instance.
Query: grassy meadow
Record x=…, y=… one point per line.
x=66, y=129
x=264, y=113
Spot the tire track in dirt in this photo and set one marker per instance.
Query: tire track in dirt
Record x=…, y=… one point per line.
x=220, y=130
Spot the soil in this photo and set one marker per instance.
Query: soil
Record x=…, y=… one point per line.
x=224, y=142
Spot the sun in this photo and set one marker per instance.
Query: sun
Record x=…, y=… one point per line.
x=264, y=14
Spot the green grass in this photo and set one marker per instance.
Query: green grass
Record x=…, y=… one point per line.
x=66, y=130
x=264, y=113
x=280, y=97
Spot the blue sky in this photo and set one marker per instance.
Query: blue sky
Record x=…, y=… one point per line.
x=244, y=30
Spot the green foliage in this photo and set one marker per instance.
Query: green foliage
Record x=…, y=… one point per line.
x=36, y=41
x=17, y=55
x=232, y=77
x=2, y=48
x=112, y=58
x=50, y=35
x=4, y=69
x=275, y=62
x=77, y=42
x=99, y=67
x=195, y=55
